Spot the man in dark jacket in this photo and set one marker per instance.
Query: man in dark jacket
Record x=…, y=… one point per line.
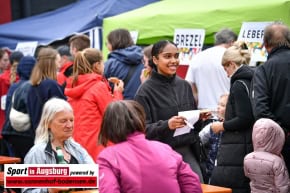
x=271, y=85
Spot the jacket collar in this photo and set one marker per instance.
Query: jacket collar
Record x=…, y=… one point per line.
x=162, y=78
x=277, y=50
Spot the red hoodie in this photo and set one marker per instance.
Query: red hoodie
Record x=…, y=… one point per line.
x=89, y=99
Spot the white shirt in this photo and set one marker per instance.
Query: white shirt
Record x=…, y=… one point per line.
x=211, y=80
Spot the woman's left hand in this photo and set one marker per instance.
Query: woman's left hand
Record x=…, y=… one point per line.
x=217, y=127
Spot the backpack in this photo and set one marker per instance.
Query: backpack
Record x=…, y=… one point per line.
x=18, y=116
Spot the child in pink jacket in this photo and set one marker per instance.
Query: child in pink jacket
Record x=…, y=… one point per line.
x=265, y=166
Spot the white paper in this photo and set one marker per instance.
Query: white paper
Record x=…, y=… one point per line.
x=191, y=117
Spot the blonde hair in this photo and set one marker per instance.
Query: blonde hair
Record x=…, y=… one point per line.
x=13, y=72
x=45, y=66
x=50, y=109
x=84, y=62
x=237, y=53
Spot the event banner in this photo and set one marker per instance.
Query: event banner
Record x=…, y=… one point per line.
x=253, y=33
x=27, y=48
x=51, y=175
x=189, y=42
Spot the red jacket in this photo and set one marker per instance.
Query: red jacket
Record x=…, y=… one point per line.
x=89, y=99
x=4, y=86
x=61, y=77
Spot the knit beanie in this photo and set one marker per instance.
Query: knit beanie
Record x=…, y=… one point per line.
x=25, y=67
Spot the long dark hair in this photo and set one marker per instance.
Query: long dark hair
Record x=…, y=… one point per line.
x=157, y=48
x=121, y=118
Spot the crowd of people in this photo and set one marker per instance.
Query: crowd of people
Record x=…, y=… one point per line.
x=66, y=98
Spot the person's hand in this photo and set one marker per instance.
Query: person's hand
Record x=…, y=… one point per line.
x=119, y=86
x=217, y=127
x=56, y=190
x=144, y=75
x=205, y=114
x=176, y=122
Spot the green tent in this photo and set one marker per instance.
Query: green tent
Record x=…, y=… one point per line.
x=159, y=20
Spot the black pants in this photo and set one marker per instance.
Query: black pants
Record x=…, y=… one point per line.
x=20, y=145
x=189, y=157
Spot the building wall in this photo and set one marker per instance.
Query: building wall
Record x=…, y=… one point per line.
x=25, y=8
x=5, y=11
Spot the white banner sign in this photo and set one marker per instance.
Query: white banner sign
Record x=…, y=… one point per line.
x=27, y=48
x=253, y=33
x=189, y=42
x=134, y=35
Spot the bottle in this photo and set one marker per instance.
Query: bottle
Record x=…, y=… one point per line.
x=60, y=157
x=60, y=160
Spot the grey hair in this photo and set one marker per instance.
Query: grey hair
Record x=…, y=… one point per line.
x=277, y=34
x=51, y=107
x=225, y=36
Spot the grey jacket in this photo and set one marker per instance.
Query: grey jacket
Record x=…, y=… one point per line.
x=39, y=154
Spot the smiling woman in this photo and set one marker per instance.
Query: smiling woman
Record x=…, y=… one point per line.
x=165, y=94
x=167, y=61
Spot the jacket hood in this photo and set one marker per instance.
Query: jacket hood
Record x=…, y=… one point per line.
x=25, y=67
x=131, y=55
x=244, y=72
x=85, y=82
x=268, y=136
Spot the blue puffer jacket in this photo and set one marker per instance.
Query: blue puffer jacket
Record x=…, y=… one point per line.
x=119, y=64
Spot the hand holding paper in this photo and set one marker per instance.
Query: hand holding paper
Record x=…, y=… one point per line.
x=191, y=118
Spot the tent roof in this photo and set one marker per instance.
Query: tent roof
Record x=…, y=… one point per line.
x=158, y=20
x=56, y=25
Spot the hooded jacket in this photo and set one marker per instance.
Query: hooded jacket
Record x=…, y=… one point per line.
x=119, y=64
x=265, y=166
x=24, y=70
x=89, y=99
x=236, y=139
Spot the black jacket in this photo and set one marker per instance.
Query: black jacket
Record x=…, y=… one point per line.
x=162, y=98
x=271, y=88
x=236, y=140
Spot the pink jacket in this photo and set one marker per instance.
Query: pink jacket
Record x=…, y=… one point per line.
x=142, y=166
x=265, y=166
